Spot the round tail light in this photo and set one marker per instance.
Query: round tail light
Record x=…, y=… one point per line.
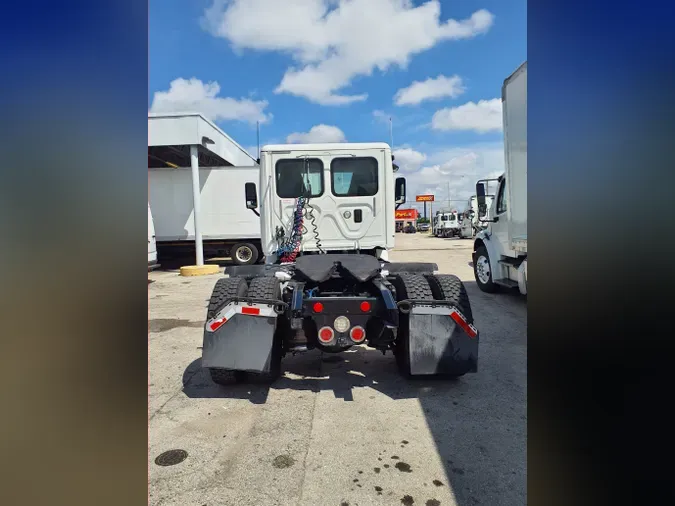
x=342, y=324
x=357, y=334
x=365, y=306
x=326, y=335
x=317, y=307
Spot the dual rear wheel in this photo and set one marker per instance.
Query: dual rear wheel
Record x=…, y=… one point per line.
x=446, y=287
x=408, y=286
x=260, y=288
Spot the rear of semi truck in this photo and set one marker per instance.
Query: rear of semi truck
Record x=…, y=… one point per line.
x=327, y=225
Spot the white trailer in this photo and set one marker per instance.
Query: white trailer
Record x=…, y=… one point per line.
x=500, y=251
x=228, y=229
x=152, y=243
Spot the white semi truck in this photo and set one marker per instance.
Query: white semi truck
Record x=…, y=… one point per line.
x=327, y=226
x=228, y=229
x=500, y=251
x=448, y=224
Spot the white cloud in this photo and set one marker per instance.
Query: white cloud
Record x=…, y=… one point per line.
x=450, y=174
x=334, y=41
x=381, y=116
x=485, y=116
x=195, y=96
x=430, y=89
x=316, y=134
x=408, y=159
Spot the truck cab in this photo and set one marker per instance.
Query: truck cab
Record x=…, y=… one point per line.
x=344, y=190
x=448, y=224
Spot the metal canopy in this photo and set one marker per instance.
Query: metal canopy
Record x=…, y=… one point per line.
x=171, y=135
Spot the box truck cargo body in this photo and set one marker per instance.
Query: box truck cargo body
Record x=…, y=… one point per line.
x=152, y=244
x=228, y=228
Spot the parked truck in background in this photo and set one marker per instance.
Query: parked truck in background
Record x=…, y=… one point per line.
x=228, y=229
x=327, y=226
x=500, y=251
x=448, y=224
x=474, y=216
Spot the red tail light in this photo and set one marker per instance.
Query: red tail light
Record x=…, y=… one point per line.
x=250, y=310
x=326, y=335
x=365, y=306
x=317, y=307
x=357, y=334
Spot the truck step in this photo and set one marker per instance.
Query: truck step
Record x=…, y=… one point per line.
x=509, y=283
x=511, y=262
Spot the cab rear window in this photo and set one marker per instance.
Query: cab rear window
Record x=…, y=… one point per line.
x=354, y=176
x=297, y=177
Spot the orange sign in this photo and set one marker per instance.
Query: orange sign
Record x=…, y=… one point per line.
x=425, y=198
x=406, y=214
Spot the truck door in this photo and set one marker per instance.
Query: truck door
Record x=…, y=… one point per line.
x=500, y=229
x=346, y=204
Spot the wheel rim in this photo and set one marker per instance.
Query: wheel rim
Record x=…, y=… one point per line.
x=243, y=254
x=483, y=269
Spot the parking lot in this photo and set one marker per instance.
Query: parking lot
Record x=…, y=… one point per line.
x=345, y=429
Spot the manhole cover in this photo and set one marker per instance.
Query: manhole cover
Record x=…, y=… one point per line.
x=171, y=458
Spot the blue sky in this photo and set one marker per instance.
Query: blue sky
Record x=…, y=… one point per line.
x=315, y=70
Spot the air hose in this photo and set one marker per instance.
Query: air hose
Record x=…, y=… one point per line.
x=315, y=228
x=290, y=248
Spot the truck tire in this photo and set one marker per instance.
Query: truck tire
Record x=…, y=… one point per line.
x=225, y=289
x=268, y=287
x=408, y=286
x=244, y=253
x=450, y=288
x=482, y=271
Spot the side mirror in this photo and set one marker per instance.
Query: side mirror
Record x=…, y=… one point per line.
x=399, y=191
x=251, y=197
x=480, y=194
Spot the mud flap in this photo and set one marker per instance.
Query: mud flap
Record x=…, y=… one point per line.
x=240, y=339
x=438, y=345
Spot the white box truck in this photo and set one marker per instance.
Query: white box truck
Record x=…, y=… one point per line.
x=152, y=244
x=500, y=251
x=228, y=228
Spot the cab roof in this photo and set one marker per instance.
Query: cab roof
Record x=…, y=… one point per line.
x=328, y=146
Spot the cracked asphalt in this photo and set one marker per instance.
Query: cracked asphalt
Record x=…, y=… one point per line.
x=346, y=429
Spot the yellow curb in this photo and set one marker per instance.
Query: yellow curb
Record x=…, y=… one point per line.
x=199, y=270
